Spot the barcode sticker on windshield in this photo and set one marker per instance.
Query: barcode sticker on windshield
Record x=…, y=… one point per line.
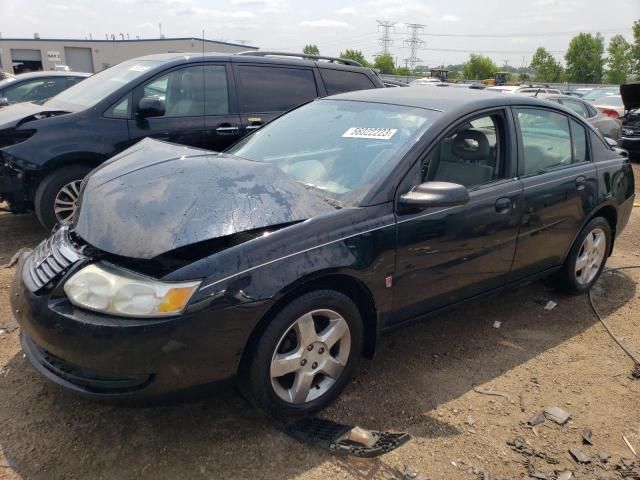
x=365, y=132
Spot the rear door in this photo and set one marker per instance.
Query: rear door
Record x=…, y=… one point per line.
x=560, y=187
x=265, y=91
x=182, y=91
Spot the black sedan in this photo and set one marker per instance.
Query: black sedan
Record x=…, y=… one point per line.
x=282, y=260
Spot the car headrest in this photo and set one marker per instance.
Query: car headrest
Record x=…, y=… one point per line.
x=471, y=145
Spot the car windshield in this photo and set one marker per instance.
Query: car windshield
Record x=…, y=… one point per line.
x=340, y=148
x=609, y=101
x=89, y=92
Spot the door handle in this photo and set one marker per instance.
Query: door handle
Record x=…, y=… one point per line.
x=253, y=126
x=581, y=182
x=227, y=128
x=503, y=205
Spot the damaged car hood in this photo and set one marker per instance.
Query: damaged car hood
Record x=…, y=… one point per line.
x=630, y=93
x=15, y=115
x=156, y=197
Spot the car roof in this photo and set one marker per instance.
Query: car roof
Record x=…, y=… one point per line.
x=50, y=73
x=246, y=58
x=438, y=99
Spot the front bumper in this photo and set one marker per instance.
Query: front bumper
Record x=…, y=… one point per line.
x=105, y=356
x=630, y=144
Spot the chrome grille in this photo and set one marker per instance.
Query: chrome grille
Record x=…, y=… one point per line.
x=49, y=260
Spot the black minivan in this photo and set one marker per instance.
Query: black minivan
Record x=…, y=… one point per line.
x=207, y=101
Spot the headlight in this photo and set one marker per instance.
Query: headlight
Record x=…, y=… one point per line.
x=106, y=288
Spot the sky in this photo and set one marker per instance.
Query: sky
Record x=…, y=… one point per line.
x=506, y=30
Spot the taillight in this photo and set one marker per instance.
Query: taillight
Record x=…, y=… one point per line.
x=607, y=112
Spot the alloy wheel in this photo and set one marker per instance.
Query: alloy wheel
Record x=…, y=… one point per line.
x=66, y=201
x=590, y=256
x=310, y=356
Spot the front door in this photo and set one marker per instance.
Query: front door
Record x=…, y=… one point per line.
x=448, y=254
x=182, y=92
x=560, y=188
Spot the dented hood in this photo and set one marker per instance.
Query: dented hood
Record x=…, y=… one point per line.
x=630, y=93
x=156, y=197
x=14, y=115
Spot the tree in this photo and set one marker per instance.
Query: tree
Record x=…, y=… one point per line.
x=619, y=60
x=585, y=61
x=479, y=67
x=356, y=55
x=385, y=64
x=403, y=71
x=547, y=68
x=311, y=50
x=635, y=48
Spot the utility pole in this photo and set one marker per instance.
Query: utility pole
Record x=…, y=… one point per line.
x=414, y=42
x=385, y=41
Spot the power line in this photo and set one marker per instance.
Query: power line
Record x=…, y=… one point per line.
x=385, y=41
x=414, y=43
x=507, y=35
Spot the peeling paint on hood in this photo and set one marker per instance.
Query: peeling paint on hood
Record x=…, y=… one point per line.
x=156, y=197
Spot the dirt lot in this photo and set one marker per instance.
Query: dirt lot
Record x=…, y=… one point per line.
x=421, y=381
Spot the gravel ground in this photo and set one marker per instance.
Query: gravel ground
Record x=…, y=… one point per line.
x=422, y=381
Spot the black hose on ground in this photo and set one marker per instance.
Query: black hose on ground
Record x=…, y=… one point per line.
x=636, y=359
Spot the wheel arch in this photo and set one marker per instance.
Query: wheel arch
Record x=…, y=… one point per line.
x=91, y=159
x=350, y=286
x=610, y=214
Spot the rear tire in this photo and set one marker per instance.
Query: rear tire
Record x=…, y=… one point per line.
x=587, y=257
x=56, y=196
x=305, y=356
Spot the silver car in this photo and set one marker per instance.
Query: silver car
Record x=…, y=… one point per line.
x=607, y=126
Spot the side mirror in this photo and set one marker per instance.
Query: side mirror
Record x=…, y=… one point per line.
x=434, y=194
x=4, y=102
x=612, y=143
x=151, y=107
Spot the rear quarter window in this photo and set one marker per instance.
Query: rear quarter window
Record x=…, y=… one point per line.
x=274, y=89
x=339, y=81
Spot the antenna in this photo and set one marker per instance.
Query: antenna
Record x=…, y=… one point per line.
x=203, y=44
x=385, y=41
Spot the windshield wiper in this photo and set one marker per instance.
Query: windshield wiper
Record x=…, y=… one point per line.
x=331, y=201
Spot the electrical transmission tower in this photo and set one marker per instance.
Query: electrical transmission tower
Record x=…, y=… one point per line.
x=385, y=41
x=414, y=43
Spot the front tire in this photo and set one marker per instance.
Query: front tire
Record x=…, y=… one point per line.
x=306, y=355
x=57, y=196
x=588, y=256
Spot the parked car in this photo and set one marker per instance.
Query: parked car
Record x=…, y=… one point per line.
x=606, y=125
x=37, y=86
x=207, y=101
x=424, y=81
x=610, y=106
x=596, y=93
x=524, y=89
x=630, y=135
x=281, y=260
x=394, y=83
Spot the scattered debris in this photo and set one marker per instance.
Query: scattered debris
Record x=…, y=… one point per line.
x=410, y=473
x=557, y=414
x=519, y=445
x=604, y=457
x=629, y=445
x=539, y=476
x=522, y=404
x=497, y=393
x=579, y=456
x=537, y=419
x=586, y=436
x=550, y=305
x=16, y=257
x=497, y=324
x=470, y=421
x=566, y=475
x=626, y=469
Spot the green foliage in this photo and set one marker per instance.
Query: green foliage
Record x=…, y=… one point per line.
x=356, y=55
x=455, y=75
x=385, y=64
x=635, y=48
x=585, y=61
x=479, y=67
x=311, y=50
x=546, y=67
x=619, y=60
x=403, y=71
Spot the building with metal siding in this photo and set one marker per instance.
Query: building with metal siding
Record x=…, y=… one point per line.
x=18, y=55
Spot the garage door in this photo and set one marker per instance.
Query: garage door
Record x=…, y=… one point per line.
x=79, y=59
x=24, y=60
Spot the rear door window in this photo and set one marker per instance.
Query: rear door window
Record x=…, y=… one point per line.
x=337, y=81
x=263, y=89
x=546, y=140
x=580, y=142
x=577, y=106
